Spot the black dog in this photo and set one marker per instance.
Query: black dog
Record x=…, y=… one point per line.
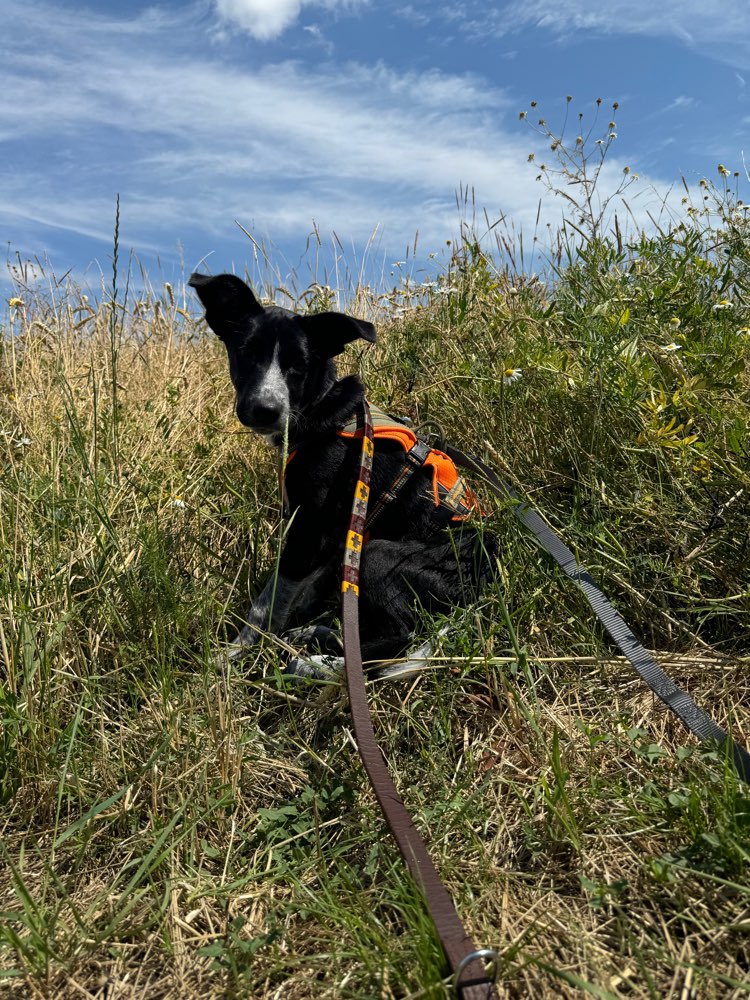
x=418, y=548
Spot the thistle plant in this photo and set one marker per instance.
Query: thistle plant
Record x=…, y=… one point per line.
x=578, y=164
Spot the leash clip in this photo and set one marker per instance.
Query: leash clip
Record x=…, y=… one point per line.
x=432, y=432
x=490, y=959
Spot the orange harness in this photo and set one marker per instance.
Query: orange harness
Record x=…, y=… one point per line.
x=449, y=490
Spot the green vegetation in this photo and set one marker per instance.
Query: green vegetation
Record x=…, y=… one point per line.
x=173, y=831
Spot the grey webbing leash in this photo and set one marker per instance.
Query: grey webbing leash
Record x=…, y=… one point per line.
x=470, y=979
x=696, y=720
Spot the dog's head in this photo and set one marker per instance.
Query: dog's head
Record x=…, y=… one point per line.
x=279, y=362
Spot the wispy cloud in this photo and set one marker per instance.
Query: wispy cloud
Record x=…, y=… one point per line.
x=193, y=140
x=707, y=25
x=690, y=20
x=680, y=103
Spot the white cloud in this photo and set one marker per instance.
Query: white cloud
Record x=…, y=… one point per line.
x=267, y=19
x=194, y=141
x=262, y=18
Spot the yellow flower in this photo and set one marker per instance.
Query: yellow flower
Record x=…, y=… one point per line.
x=15, y=302
x=675, y=322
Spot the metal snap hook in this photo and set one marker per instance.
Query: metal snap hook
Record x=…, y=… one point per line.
x=490, y=959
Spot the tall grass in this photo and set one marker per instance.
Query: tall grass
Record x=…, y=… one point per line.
x=174, y=830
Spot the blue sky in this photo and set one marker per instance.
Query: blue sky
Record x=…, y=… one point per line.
x=355, y=116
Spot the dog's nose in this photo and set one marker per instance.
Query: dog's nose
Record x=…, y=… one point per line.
x=260, y=415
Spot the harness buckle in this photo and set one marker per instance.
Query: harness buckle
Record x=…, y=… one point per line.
x=418, y=453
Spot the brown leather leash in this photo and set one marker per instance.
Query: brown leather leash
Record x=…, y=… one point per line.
x=468, y=963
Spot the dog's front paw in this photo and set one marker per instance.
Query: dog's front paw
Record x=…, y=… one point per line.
x=314, y=668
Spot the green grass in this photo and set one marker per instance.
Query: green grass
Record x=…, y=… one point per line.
x=170, y=830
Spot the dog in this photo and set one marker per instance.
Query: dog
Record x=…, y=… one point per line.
x=418, y=552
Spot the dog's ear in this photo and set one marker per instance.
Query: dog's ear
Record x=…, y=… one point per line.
x=226, y=299
x=329, y=332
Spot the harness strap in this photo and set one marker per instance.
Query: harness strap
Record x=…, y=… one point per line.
x=696, y=720
x=470, y=978
x=416, y=456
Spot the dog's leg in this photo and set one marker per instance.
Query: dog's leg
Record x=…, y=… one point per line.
x=272, y=609
x=441, y=574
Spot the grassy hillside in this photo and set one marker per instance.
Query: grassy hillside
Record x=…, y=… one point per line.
x=173, y=831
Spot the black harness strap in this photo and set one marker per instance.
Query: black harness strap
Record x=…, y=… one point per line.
x=416, y=456
x=697, y=721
